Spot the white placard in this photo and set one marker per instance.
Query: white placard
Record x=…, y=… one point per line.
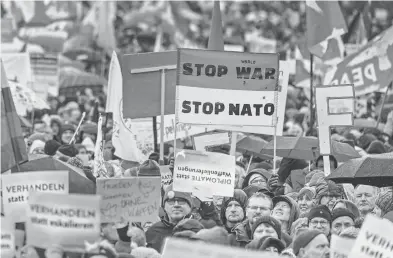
x=340, y=247
x=214, y=139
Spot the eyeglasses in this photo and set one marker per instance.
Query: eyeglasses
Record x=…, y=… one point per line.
x=258, y=181
x=321, y=222
x=179, y=201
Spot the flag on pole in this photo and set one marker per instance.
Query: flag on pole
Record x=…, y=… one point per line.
x=99, y=163
x=216, y=38
x=325, y=22
x=13, y=148
x=123, y=138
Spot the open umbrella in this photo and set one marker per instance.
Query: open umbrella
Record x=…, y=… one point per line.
x=77, y=179
x=307, y=148
x=376, y=170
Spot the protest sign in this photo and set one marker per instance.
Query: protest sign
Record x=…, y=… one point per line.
x=16, y=188
x=282, y=99
x=324, y=95
x=176, y=248
x=237, y=48
x=369, y=69
x=7, y=30
x=207, y=140
x=129, y=199
x=67, y=220
x=201, y=106
x=340, y=247
x=227, y=70
x=7, y=237
x=208, y=172
x=166, y=176
x=46, y=73
x=17, y=67
x=338, y=106
x=375, y=239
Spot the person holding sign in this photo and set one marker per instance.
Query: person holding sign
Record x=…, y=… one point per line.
x=177, y=206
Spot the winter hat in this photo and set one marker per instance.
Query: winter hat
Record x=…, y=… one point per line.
x=145, y=252
x=328, y=187
x=365, y=140
x=385, y=201
x=76, y=162
x=251, y=189
x=67, y=127
x=300, y=222
x=216, y=235
x=321, y=211
x=376, y=147
x=303, y=239
x=149, y=168
x=170, y=194
x=270, y=221
x=239, y=196
x=37, y=144
x=309, y=191
x=262, y=243
x=342, y=212
x=295, y=211
x=188, y=225
x=51, y=147
x=389, y=216
x=68, y=150
x=263, y=172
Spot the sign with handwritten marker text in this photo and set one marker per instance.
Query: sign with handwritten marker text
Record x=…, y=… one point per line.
x=7, y=238
x=16, y=188
x=324, y=95
x=67, y=220
x=129, y=199
x=209, y=173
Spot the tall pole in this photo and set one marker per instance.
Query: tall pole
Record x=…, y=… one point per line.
x=312, y=114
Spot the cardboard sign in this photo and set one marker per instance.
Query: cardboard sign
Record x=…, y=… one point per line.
x=129, y=199
x=208, y=172
x=46, y=73
x=16, y=188
x=339, y=106
x=67, y=220
x=340, y=247
x=166, y=176
x=374, y=239
x=227, y=70
x=370, y=68
x=207, y=140
x=7, y=238
x=282, y=99
x=7, y=30
x=176, y=248
x=143, y=89
x=17, y=67
x=324, y=95
x=225, y=107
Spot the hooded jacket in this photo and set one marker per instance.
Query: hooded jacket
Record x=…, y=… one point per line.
x=239, y=196
x=241, y=234
x=295, y=211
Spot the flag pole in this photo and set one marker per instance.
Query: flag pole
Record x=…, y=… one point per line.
x=155, y=134
x=312, y=114
x=383, y=104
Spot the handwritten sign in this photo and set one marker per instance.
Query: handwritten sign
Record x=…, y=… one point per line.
x=166, y=176
x=375, y=239
x=207, y=140
x=340, y=247
x=324, y=95
x=208, y=172
x=7, y=238
x=16, y=188
x=67, y=220
x=176, y=248
x=129, y=199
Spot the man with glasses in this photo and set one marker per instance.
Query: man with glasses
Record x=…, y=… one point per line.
x=320, y=218
x=177, y=206
x=258, y=205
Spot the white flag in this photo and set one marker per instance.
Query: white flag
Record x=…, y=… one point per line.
x=123, y=139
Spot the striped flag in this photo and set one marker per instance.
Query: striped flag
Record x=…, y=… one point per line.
x=99, y=163
x=13, y=148
x=325, y=22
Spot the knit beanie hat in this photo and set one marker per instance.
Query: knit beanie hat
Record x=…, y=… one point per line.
x=149, y=168
x=303, y=239
x=261, y=244
x=260, y=171
x=321, y=211
x=51, y=147
x=170, y=194
x=68, y=150
x=328, y=187
x=316, y=177
x=188, y=225
x=216, y=235
x=385, y=201
x=342, y=212
x=238, y=196
x=145, y=252
x=309, y=191
x=251, y=189
x=270, y=221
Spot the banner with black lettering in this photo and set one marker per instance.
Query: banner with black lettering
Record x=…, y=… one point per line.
x=65, y=220
x=204, y=173
x=16, y=188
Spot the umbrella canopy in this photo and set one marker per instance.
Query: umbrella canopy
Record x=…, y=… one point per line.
x=307, y=148
x=252, y=145
x=77, y=179
x=376, y=170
